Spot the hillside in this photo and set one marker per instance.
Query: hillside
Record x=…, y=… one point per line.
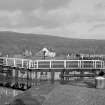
x=15, y=43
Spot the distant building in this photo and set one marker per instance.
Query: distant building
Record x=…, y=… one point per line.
x=48, y=53
x=27, y=53
x=45, y=53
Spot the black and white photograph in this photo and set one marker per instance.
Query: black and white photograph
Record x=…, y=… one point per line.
x=52, y=52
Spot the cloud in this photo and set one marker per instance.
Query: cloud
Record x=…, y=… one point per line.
x=12, y=5
x=70, y=18
x=54, y=4
x=25, y=18
x=100, y=5
x=27, y=5
x=9, y=19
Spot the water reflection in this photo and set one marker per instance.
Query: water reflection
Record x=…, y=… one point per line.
x=6, y=94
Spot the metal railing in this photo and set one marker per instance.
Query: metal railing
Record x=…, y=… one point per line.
x=52, y=64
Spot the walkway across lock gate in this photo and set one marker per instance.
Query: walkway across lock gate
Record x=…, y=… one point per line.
x=23, y=73
x=52, y=64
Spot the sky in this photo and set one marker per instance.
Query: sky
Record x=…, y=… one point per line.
x=83, y=19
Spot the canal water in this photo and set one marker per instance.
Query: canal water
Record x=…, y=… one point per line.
x=7, y=95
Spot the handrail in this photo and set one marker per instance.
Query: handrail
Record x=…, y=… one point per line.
x=53, y=64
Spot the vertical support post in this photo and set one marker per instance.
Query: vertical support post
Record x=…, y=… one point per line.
x=16, y=78
x=13, y=75
x=62, y=76
x=44, y=52
x=101, y=64
x=67, y=73
x=36, y=78
x=32, y=73
x=29, y=64
x=37, y=64
x=22, y=63
x=6, y=61
x=16, y=73
x=30, y=79
x=14, y=62
x=27, y=79
x=3, y=74
x=81, y=73
x=95, y=64
x=79, y=64
x=52, y=75
x=50, y=64
x=65, y=64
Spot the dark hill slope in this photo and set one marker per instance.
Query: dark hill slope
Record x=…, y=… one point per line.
x=16, y=43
